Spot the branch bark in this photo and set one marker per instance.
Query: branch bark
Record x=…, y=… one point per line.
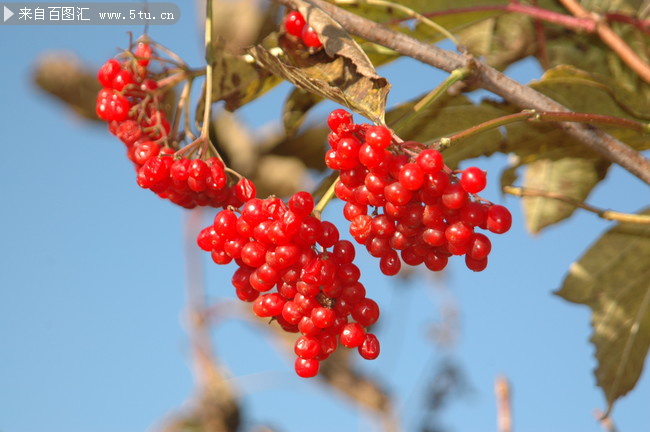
x=489, y=79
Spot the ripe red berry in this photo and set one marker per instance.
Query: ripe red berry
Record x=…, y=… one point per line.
x=294, y=23
x=322, y=317
x=310, y=37
x=366, y=312
x=499, y=219
x=352, y=335
x=473, y=180
x=369, y=348
x=143, y=53
x=307, y=347
x=306, y=368
x=339, y=118
x=430, y=161
x=378, y=137
x=107, y=72
x=411, y=176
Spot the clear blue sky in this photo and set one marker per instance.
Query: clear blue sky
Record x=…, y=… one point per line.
x=92, y=285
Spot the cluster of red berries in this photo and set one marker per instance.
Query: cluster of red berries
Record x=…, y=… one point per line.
x=296, y=271
x=130, y=102
x=296, y=25
x=422, y=213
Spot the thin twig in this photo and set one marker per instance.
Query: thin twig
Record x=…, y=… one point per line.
x=504, y=409
x=490, y=79
x=605, y=421
x=217, y=401
x=613, y=40
x=544, y=116
x=605, y=214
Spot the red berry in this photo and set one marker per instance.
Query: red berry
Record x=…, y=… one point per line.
x=366, y=312
x=322, y=317
x=369, y=348
x=473, y=180
x=310, y=37
x=352, y=335
x=143, y=53
x=411, y=176
x=306, y=368
x=378, y=137
x=499, y=219
x=107, y=72
x=307, y=347
x=430, y=161
x=294, y=23
x=339, y=118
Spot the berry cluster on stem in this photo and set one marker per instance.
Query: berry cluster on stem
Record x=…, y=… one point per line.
x=404, y=204
x=131, y=102
x=295, y=270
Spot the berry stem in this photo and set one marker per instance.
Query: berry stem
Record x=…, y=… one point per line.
x=456, y=75
x=326, y=198
x=209, y=59
x=605, y=214
x=544, y=116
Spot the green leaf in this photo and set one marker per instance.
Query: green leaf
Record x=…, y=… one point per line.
x=501, y=40
x=447, y=115
x=309, y=146
x=613, y=279
x=296, y=108
x=570, y=177
x=581, y=92
x=236, y=80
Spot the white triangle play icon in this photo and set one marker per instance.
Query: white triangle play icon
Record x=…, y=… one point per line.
x=8, y=13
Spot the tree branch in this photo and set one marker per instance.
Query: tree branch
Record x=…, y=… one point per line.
x=488, y=78
x=613, y=40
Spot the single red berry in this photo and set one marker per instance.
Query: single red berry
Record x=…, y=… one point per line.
x=322, y=317
x=366, y=312
x=390, y=264
x=352, y=335
x=378, y=137
x=479, y=246
x=411, y=176
x=473, y=180
x=369, y=348
x=454, y=196
x=143, y=53
x=301, y=204
x=294, y=23
x=499, y=219
x=107, y=72
x=122, y=79
x=430, y=161
x=344, y=252
x=307, y=347
x=476, y=265
x=458, y=233
x=306, y=368
x=310, y=37
x=338, y=118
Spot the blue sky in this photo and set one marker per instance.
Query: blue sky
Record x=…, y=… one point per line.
x=92, y=285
